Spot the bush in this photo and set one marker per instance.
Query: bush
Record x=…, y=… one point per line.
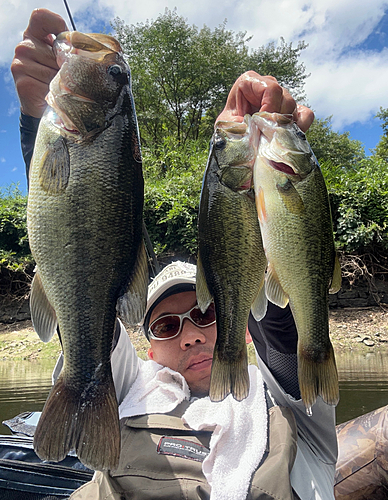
x=14, y=249
x=173, y=177
x=359, y=202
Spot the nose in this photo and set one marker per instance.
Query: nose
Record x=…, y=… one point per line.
x=191, y=335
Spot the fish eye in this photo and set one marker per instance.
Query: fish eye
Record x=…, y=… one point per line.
x=115, y=70
x=301, y=135
x=220, y=143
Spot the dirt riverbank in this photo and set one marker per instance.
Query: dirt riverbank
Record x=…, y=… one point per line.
x=351, y=329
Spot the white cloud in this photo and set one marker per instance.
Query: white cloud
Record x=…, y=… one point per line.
x=15, y=17
x=13, y=108
x=2, y=160
x=350, y=88
x=345, y=81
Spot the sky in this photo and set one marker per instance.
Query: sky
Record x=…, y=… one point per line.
x=347, y=54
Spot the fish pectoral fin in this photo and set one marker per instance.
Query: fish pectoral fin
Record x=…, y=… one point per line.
x=43, y=316
x=273, y=288
x=204, y=297
x=291, y=198
x=259, y=306
x=54, y=170
x=131, y=305
x=337, y=277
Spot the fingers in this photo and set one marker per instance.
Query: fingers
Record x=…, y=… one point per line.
x=252, y=93
x=44, y=23
x=34, y=64
x=305, y=117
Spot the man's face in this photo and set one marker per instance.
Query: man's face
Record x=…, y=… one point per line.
x=191, y=352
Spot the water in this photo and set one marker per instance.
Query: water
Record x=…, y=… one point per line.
x=24, y=385
x=363, y=383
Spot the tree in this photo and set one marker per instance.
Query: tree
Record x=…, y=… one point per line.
x=14, y=249
x=359, y=201
x=178, y=72
x=381, y=150
x=332, y=148
x=182, y=75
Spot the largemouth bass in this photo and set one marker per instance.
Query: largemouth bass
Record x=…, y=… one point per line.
x=231, y=260
x=296, y=227
x=85, y=230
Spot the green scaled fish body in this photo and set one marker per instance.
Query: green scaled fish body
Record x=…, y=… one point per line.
x=85, y=231
x=295, y=221
x=231, y=260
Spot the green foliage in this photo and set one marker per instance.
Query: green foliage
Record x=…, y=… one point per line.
x=359, y=202
x=181, y=74
x=331, y=147
x=358, y=189
x=14, y=249
x=178, y=72
x=173, y=177
x=381, y=150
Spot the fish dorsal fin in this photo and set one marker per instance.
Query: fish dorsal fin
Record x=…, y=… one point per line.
x=204, y=297
x=337, y=277
x=43, y=315
x=131, y=305
x=55, y=168
x=273, y=288
x=259, y=306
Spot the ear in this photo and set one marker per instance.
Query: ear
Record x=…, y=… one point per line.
x=248, y=338
x=150, y=353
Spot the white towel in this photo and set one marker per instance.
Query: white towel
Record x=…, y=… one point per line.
x=157, y=389
x=239, y=429
x=238, y=441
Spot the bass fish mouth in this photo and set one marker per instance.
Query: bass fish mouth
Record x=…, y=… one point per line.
x=283, y=167
x=232, y=128
x=94, y=46
x=72, y=93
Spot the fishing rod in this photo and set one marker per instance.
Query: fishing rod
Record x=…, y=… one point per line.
x=149, y=247
x=70, y=16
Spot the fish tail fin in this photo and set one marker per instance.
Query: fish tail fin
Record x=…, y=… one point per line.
x=229, y=377
x=318, y=376
x=83, y=420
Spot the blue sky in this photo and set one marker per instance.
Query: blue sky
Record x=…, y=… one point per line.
x=347, y=53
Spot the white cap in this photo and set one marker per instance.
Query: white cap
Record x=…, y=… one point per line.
x=177, y=273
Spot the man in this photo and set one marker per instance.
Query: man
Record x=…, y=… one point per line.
x=163, y=458
x=175, y=442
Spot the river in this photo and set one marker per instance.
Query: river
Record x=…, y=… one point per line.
x=24, y=385
x=363, y=383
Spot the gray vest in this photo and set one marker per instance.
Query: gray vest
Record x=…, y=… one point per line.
x=161, y=458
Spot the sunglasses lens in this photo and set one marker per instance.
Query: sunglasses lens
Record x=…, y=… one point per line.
x=204, y=319
x=165, y=327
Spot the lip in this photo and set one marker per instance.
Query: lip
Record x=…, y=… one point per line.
x=200, y=363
